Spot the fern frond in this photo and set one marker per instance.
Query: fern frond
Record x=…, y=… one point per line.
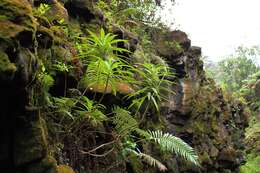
x=124, y=122
x=171, y=143
x=152, y=161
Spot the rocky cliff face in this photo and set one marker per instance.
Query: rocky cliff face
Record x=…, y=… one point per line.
x=201, y=114
x=198, y=112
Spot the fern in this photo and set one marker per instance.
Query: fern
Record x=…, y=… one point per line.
x=64, y=106
x=61, y=66
x=147, y=159
x=92, y=111
x=172, y=143
x=124, y=122
x=47, y=81
x=136, y=163
x=152, y=161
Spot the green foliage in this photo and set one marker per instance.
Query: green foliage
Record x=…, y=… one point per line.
x=64, y=106
x=136, y=10
x=124, y=122
x=63, y=67
x=154, y=84
x=87, y=108
x=100, y=45
x=42, y=9
x=171, y=143
x=79, y=109
x=252, y=165
x=232, y=71
x=44, y=81
x=105, y=69
x=104, y=75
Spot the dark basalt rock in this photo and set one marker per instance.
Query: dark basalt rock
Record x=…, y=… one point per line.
x=171, y=44
x=122, y=33
x=199, y=113
x=23, y=133
x=80, y=8
x=181, y=38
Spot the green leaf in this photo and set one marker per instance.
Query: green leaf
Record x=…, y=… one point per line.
x=172, y=143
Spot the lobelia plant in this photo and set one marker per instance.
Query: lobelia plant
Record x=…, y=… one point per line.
x=101, y=45
x=154, y=84
x=106, y=71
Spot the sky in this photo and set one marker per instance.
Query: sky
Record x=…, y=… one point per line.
x=218, y=26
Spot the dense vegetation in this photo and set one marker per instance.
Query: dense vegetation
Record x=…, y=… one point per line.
x=107, y=70
x=234, y=70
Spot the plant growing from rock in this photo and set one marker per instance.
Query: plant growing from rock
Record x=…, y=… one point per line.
x=91, y=110
x=126, y=126
x=72, y=111
x=106, y=76
x=42, y=9
x=106, y=71
x=101, y=45
x=64, y=68
x=154, y=87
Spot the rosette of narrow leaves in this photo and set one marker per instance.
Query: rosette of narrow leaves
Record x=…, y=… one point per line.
x=106, y=75
x=154, y=86
x=173, y=144
x=101, y=45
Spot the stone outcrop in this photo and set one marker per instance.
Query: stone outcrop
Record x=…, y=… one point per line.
x=200, y=113
x=23, y=131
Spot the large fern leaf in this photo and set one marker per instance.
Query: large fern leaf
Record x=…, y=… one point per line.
x=171, y=143
x=147, y=159
x=152, y=161
x=124, y=122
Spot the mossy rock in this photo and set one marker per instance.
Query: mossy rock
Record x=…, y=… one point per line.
x=30, y=139
x=7, y=69
x=57, y=12
x=252, y=165
x=171, y=43
x=44, y=37
x=17, y=17
x=46, y=165
x=65, y=169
